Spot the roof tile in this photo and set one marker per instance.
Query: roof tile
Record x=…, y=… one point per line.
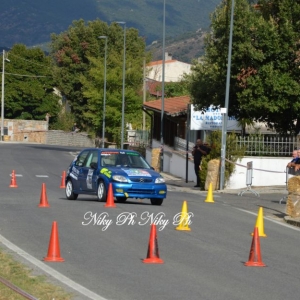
x=172, y=106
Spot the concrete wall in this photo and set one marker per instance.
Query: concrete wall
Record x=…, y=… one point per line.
x=271, y=172
x=271, y=169
x=174, y=163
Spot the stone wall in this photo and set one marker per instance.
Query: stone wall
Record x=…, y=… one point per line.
x=37, y=132
x=63, y=138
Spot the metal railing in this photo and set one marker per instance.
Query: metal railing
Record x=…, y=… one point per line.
x=261, y=145
x=268, y=146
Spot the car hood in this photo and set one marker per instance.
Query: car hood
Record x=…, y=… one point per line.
x=135, y=172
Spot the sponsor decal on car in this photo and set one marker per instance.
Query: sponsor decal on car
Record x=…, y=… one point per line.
x=89, y=179
x=74, y=173
x=105, y=172
x=109, y=152
x=136, y=172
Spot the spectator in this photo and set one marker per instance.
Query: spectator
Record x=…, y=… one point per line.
x=291, y=164
x=296, y=164
x=75, y=128
x=47, y=117
x=198, y=151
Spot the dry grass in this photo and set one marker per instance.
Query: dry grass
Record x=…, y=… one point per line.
x=21, y=276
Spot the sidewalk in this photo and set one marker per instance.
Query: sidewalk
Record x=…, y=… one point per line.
x=179, y=184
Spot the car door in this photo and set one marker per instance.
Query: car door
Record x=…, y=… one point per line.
x=77, y=170
x=87, y=181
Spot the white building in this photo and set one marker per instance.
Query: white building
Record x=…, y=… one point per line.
x=174, y=69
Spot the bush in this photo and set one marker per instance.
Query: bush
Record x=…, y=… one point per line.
x=232, y=153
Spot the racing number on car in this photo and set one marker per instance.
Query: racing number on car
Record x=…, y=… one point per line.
x=89, y=179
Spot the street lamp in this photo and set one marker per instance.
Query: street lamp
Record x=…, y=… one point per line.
x=163, y=92
x=225, y=115
x=104, y=90
x=123, y=91
x=2, y=95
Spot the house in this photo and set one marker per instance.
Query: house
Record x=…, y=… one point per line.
x=174, y=121
x=174, y=69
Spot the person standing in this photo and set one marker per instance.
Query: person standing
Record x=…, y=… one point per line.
x=198, y=151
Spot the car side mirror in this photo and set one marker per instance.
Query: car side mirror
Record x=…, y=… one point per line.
x=94, y=165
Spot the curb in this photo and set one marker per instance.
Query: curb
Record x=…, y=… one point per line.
x=289, y=220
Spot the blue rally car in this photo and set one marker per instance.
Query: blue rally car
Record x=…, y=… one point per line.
x=131, y=176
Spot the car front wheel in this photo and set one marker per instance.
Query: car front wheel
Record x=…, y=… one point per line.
x=101, y=192
x=156, y=201
x=69, y=191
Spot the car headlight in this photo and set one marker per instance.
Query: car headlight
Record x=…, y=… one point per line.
x=120, y=178
x=160, y=180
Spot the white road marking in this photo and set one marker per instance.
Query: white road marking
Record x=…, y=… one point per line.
x=41, y=176
x=269, y=219
x=81, y=289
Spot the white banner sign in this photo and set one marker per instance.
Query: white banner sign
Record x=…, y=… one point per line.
x=211, y=120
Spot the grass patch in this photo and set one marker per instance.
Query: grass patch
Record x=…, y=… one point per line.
x=19, y=275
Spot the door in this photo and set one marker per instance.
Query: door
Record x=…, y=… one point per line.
x=88, y=182
x=77, y=170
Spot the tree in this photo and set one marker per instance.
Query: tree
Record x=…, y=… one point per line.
x=264, y=82
x=175, y=89
x=79, y=55
x=29, y=85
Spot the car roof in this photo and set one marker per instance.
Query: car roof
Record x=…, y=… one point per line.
x=110, y=150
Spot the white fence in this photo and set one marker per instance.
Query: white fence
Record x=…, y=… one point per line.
x=264, y=145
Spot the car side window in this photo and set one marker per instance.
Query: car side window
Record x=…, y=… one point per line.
x=81, y=158
x=92, y=158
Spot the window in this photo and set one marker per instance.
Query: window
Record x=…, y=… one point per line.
x=81, y=158
x=92, y=158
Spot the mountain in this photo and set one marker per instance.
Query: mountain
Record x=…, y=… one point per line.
x=185, y=48
x=31, y=22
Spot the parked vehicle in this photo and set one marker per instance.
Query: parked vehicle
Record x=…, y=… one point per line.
x=131, y=176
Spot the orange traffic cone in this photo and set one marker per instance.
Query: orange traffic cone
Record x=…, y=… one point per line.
x=54, y=249
x=13, y=182
x=153, y=254
x=63, y=180
x=110, y=197
x=255, y=255
x=44, y=198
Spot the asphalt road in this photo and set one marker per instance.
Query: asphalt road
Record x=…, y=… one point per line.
x=104, y=261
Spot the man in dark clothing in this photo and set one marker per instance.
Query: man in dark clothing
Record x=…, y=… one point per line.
x=198, y=151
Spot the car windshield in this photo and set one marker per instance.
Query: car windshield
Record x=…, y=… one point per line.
x=123, y=159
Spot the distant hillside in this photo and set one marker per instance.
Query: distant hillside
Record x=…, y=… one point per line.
x=184, y=48
x=31, y=22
